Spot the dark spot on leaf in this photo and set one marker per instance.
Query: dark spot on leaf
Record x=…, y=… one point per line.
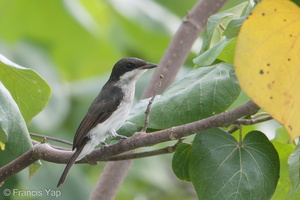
x=275, y=9
x=270, y=86
x=289, y=59
x=263, y=14
x=291, y=35
x=261, y=72
x=290, y=127
x=268, y=64
x=284, y=20
x=271, y=97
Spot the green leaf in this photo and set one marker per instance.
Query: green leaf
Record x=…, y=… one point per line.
x=14, y=131
x=233, y=27
x=181, y=161
x=227, y=54
x=200, y=94
x=209, y=56
x=284, y=150
x=221, y=168
x=28, y=89
x=294, y=170
x=216, y=24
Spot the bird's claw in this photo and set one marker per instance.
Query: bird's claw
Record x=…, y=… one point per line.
x=104, y=144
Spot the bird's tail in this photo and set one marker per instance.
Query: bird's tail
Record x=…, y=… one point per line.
x=71, y=163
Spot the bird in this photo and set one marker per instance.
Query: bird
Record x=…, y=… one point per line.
x=108, y=111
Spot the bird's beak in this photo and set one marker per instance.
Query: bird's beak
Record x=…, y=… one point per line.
x=149, y=66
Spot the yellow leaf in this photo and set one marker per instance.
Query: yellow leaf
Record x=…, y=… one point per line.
x=2, y=146
x=267, y=61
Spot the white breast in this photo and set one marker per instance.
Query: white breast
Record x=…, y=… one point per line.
x=100, y=132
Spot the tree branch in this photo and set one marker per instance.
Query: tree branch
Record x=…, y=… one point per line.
x=17, y=165
x=114, y=173
x=48, y=153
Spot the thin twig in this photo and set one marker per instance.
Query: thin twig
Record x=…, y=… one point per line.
x=260, y=114
x=248, y=120
x=51, y=138
x=240, y=135
x=34, y=142
x=147, y=112
x=232, y=129
x=129, y=156
x=251, y=121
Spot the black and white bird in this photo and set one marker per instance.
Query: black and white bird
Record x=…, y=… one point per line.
x=109, y=110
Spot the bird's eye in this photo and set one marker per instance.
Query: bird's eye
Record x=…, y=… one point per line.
x=129, y=65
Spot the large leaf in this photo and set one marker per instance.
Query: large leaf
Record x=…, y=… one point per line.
x=222, y=168
x=267, y=60
x=13, y=132
x=28, y=89
x=200, y=94
x=13, y=129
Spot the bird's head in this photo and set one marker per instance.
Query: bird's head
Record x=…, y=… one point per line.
x=130, y=69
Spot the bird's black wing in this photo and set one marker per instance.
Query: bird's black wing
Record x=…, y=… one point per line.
x=103, y=106
x=101, y=109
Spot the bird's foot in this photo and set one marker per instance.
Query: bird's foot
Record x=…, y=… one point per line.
x=121, y=137
x=104, y=144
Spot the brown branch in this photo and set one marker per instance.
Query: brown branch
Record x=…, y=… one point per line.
x=18, y=165
x=48, y=153
x=115, y=171
x=175, y=133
